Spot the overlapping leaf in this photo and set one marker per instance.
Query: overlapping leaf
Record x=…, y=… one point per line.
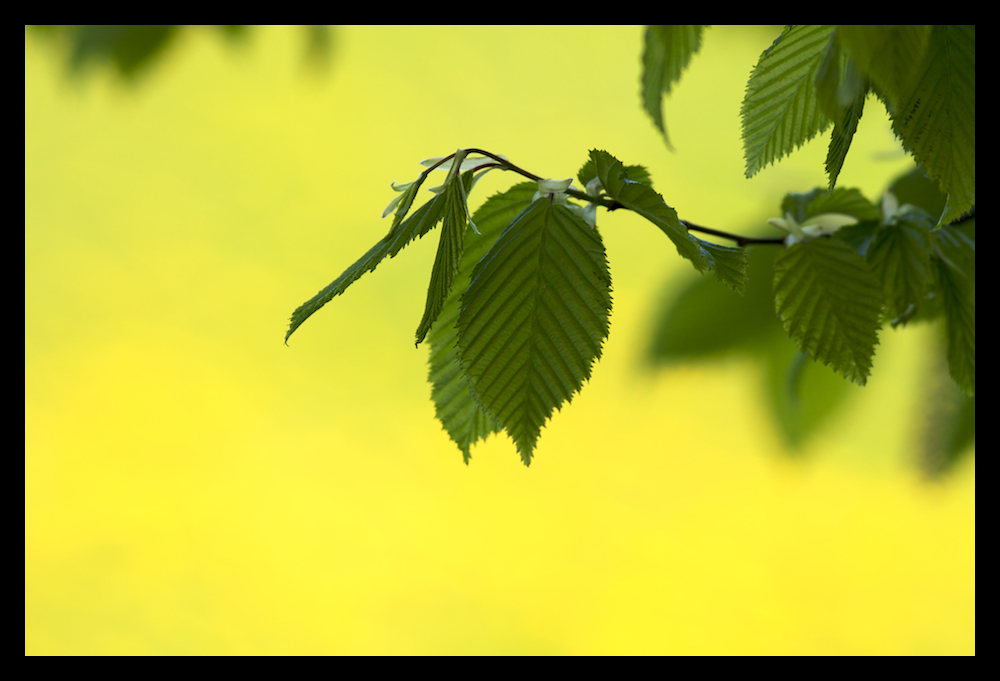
x=464, y=419
x=400, y=234
x=534, y=318
x=780, y=109
x=828, y=299
x=937, y=122
x=449, y=252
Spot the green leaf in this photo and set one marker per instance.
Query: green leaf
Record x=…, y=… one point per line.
x=463, y=418
x=955, y=275
x=780, y=109
x=900, y=255
x=841, y=93
x=828, y=299
x=449, y=252
x=937, y=121
x=729, y=263
x=891, y=55
x=643, y=200
x=668, y=49
x=534, y=318
x=422, y=221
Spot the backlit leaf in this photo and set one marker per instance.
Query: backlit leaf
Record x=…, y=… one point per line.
x=780, y=109
x=534, y=318
x=828, y=299
x=464, y=419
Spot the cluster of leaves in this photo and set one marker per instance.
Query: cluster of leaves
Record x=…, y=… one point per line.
x=813, y=77
x=519, y=298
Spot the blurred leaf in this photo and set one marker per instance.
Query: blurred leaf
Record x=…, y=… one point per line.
x=936, y=121
x=668, y=49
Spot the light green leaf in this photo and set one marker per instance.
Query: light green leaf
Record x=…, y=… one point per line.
x=828, y=299
x=668, y=49
x=464, y=419
x=534, y=318
x=422, y=221
x=937, y=122
x=780, y=109
x=449, y=252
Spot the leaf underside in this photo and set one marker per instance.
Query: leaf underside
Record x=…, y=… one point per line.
x=534, y=318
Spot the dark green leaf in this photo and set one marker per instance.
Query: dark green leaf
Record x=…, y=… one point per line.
x=534, y=318
x=464, y=419
x=829, y=301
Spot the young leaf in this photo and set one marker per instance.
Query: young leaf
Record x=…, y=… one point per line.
x=463, y=418
x=422, y=221
x=937, y=122
x=780, y=110
x=668, y=49
x=828, y=299
x=449, y=251
x=534, y=318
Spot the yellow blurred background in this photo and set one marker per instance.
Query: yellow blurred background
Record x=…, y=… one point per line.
x=194, y=486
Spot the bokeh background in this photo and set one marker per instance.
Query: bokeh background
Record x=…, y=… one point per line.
x=192, y=485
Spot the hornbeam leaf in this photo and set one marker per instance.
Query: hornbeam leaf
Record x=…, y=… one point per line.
x=780, y=109
x=464, y=419
x=955, y=276
x=642, y=199
x=400, y=234
x=937, y=122
x=667, y=52
x=828, y=299
x=449, y=251
x=534, y=318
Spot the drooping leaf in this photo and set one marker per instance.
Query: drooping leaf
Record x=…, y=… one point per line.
x=422, y=221
x=668, y=49
x=900, y=254
x=780, y=109
x=829, y=301
x=937, y=121
x=463, y=418
x=841, y=92
x=534, y=318
x=449, y=252
x=891, y=55
x=955, y=275
x=643, y=200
